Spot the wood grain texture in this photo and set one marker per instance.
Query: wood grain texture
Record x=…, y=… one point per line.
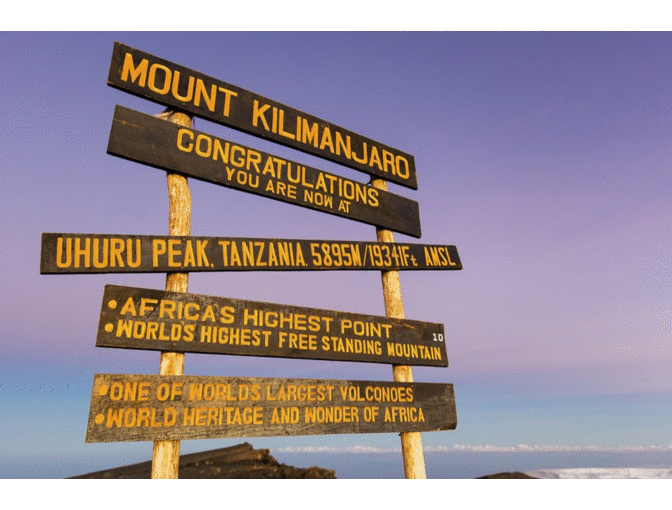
x=135, y=318
x=149, y=407
x=166, y=454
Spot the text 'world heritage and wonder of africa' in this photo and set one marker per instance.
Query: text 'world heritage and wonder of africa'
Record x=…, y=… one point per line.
x=145, y=407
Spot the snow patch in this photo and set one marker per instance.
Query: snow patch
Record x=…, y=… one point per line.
x=602, y=473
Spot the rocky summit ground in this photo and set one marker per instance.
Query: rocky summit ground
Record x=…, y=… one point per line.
x=515, y=475
x=240, y=461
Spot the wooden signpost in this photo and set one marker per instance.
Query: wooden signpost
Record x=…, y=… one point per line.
x=151, y=319
x=170, y=407
x=173, y=85
x=411, y=442
x=166, y=452
x=155, y=142
x=117, y=253
x=147, y=407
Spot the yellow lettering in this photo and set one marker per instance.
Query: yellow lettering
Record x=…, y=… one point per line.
x=129, y=307
x=200, y=251
x=151, y=82
x=189, y=258
x=375, y=158
x=309, y=134
x=173, y=252
x=188, y=417
x=220, y=153
x=129, y=252
x=281, y=130
x=116, y=249
x=364, y=158
x=204, y=153
x=373, y=197
x=85, y=252
x=345, y=145
x=96, y=251
x=167, y=308
x=326, y=140
x=59, y=253
x=240, y=162
x=399, y=160
x=228, y=94
x=137, y=73
x=176, y=85
x=158, y=248
x=259, y=113
x=209, y=313
x=388, y=161
x=202, y=93
x=146, y=305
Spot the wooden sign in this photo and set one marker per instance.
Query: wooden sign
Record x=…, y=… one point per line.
x=153, y=407
x=117, y=253
x=162, y=144
x=164, y=82
x=179, y=322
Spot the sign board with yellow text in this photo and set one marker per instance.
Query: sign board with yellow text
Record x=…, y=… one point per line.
x=180, y=322
x=156, y=408
x=170, y=84
x=117, y=253
x=162, y=144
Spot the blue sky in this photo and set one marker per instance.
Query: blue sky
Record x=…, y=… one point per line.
x=544, y=157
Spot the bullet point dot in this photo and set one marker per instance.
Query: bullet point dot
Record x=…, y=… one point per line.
x=109, y=327
x=103, y=389
x=99, y=419
x=112, y=304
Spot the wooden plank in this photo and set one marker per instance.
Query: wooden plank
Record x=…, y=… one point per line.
x=71, y=253
x=155, y=142
x=170, y=84
x=136, y=318
x=151, y=407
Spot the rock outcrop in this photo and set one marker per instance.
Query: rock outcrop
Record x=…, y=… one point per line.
x=506, y=476
x=240, y=461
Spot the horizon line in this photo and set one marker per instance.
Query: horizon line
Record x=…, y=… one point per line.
x=487, y=448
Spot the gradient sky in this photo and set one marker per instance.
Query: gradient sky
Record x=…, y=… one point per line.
x=544, y=157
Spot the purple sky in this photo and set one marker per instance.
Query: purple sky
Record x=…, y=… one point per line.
x=544, y=157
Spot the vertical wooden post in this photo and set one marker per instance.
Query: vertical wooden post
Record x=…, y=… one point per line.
x=166, y=454
x=411, y=442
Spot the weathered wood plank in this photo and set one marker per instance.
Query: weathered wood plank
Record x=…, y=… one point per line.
x=71, y=253
x=155, y=142
x=151, y=407
x=170, y=84
x=166, y=454
x=136, y=318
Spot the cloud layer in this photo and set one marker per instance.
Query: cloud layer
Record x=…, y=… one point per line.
x=521, y=448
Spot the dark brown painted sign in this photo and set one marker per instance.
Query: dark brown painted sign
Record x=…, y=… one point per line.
x=117, y=253
x=170, y=321
x=162, y=144
x=154, y=408
x=164, y=82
